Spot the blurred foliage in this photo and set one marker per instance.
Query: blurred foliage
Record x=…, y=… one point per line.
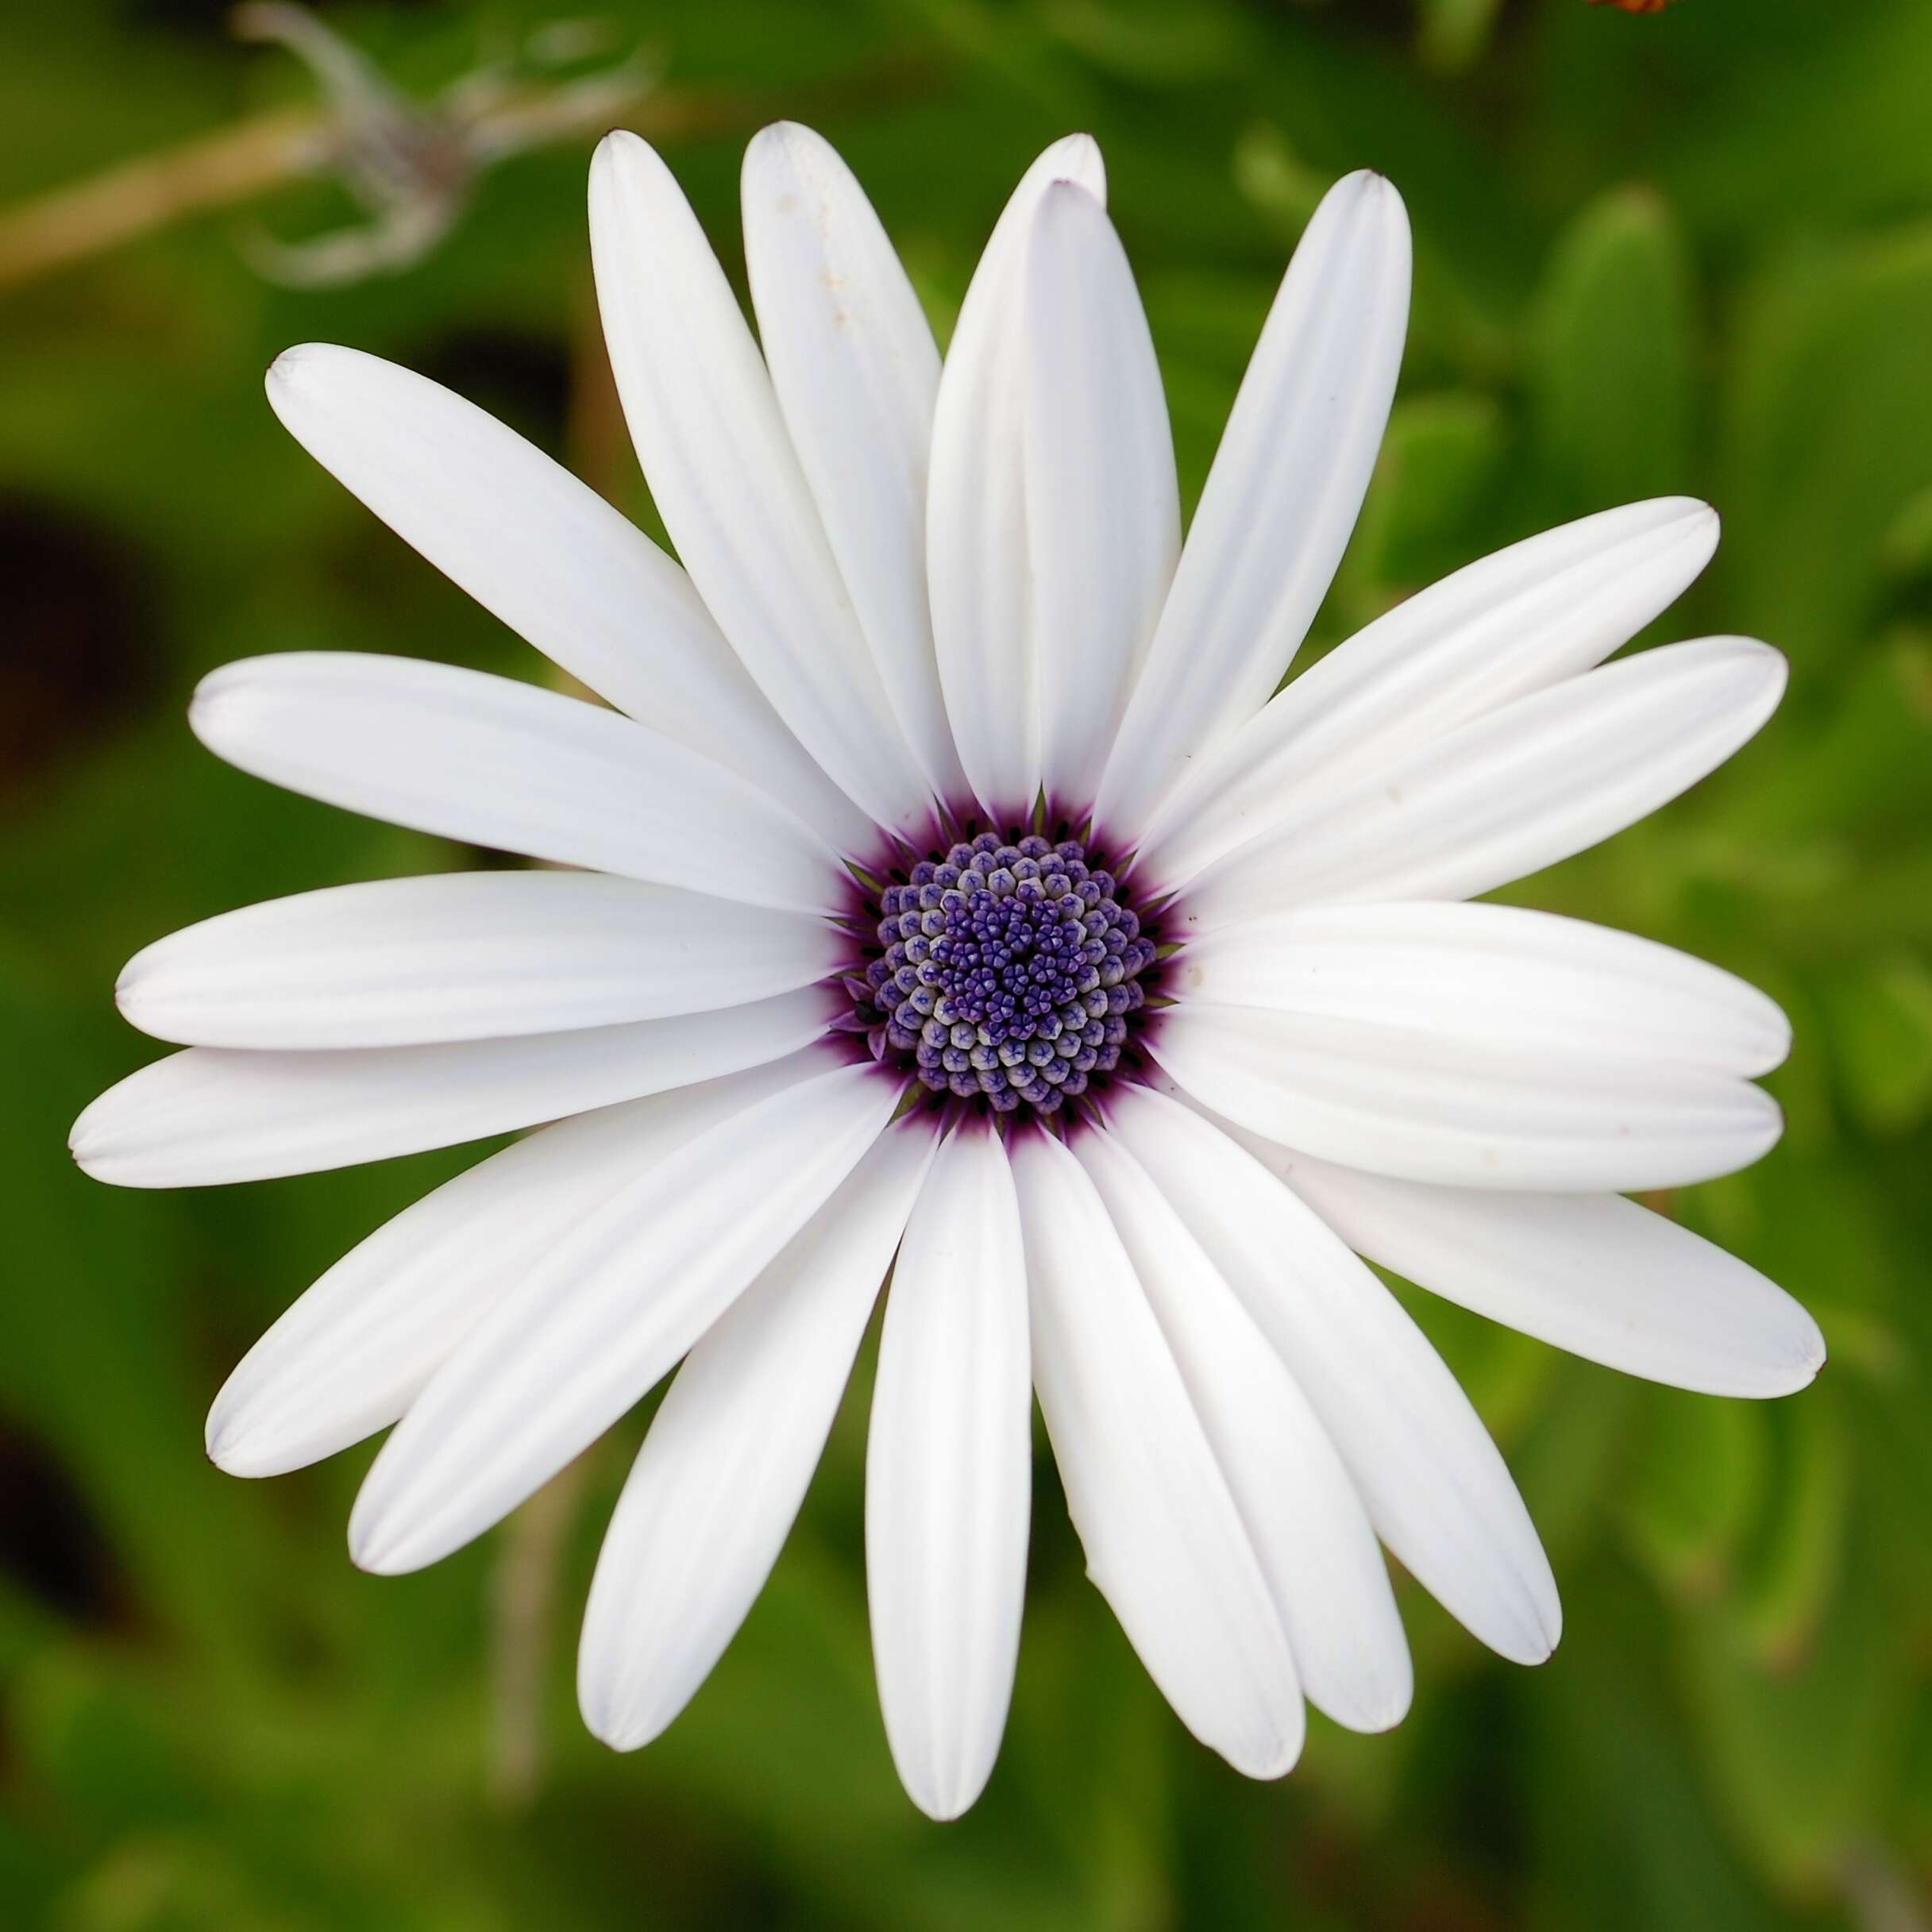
x=1685, y=251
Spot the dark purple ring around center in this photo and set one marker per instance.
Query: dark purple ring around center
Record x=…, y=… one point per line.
x=1004, y=970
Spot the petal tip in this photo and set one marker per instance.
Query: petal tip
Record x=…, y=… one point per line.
x=377, y=1547
x=610, y=1724
x=788, y=136
x=206, y=709
x=609, y=1702
x=213, y=703
x=1371, y=193
x=1383, y=1707
x=237, y=1448
x=90, y=1139
x=1548, y=1633
x=1267, y=1762
x=941, y=1811
x=1530, y=1629
x=133, y=987
x=1688, y=518
x=1076, y=158
x=282, y=374
x=620, y=148
x=1767, y=667
x=298, y=365
x=1807, y=1361
x=945, y=1799
x=1815, y=1358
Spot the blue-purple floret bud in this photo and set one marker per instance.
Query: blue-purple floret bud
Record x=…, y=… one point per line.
x=1008, y=973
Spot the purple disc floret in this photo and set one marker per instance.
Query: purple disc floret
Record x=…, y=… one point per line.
x=1009, y=971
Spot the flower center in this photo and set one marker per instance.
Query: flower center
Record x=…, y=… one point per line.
x=1009, y=970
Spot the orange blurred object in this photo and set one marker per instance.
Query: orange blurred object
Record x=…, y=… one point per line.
x=1635, y=6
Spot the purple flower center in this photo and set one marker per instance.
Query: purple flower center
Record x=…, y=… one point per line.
x=1009, y=970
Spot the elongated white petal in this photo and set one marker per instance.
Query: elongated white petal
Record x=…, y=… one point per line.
x=210, y=1115
x=948, y=1477
x=1528, y=617
x=1309, y=1527
x=502, y=765
x=611, y=1308
x=1490, y=973
x=1436, y=1491
x=856, y=372
x=1470, y=1112
x=465, y=956
x=715, y=1487
x=977, y=558
x=1591, y=1273
x=353, y=1352
x=726, y=481
x=1165, y=1543
x=1282, y=498
x=1103, y=506
x=549, y=557
x=1509, y=792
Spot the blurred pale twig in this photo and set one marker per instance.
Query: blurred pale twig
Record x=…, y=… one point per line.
x=411, y=165
x=157, y=191
x=523, y=1619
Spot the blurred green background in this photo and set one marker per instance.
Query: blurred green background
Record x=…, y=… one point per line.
x=1685, y=251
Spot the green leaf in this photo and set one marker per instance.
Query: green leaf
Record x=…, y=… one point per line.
x=1454, y=34
x=1622, y=1829
x=1881, y=1026
x=1572, y=1458
x=1828, y=440
x=1699, y=1477
x=1803, y=1748
x=1801, y=1573
x=1612, y=357
x=1419, y=520
x=1868, y=770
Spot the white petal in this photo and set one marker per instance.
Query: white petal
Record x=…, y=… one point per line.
x=1436, y=1491
x=1526, y=618
x=722, y=1472
x=1165, y=1543
x=856, y=372
x=508, y=767
x=1309, y=1530
x=610, y=1309
x=1470, y=1112
x=1490, y=973
x=727, y=483
x=465, y=956
x=1509, y=792
x=976, y=555
x=551, y=558
x=1591, y=1273
x=354, y=1351
x=948, y=1477
x=1281, y=500
x=210, y=1115
x=1103, y=506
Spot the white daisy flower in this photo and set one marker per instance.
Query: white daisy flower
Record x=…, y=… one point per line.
x=944, y=884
